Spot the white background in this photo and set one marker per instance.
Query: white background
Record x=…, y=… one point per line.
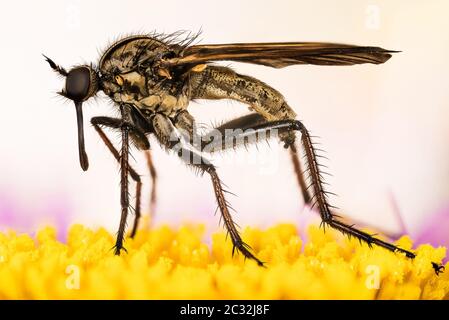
x=384, y=127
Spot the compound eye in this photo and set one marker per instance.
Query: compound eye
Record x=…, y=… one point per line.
x=78, y=84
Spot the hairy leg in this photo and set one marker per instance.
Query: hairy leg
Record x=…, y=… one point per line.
x=263, y=130
x=124, y=193
x=139, y=138
x=134, y=175
x=165, y=131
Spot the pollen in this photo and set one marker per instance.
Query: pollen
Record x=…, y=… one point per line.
x=185, y=263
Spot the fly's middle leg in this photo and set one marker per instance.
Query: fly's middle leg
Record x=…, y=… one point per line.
x=165, y=131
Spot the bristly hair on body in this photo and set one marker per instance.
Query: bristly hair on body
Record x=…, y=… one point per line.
x=180, y=38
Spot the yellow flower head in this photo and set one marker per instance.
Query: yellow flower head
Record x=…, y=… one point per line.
x=177, y=264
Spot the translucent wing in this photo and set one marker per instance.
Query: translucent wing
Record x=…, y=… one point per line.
x=279, y=55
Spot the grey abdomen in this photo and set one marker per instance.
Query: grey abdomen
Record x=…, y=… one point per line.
x=223, y=83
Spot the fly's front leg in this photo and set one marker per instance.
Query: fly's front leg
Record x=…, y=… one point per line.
x=127, y=128
x=170, y=137
x=114, y=123
x=124, y=193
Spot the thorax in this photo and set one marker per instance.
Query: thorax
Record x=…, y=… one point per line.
x=128, y=76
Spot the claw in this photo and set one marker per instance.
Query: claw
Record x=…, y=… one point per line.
x=244, y=248
x=117, y=249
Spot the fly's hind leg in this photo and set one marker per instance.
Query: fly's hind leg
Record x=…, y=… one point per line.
x=265, y=130
x=224, y=83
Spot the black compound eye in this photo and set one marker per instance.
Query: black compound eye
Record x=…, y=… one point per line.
x=77, y=84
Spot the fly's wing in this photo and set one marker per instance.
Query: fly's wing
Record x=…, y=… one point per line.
x=279, y=55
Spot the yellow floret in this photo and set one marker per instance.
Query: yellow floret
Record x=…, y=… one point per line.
x=165, y=263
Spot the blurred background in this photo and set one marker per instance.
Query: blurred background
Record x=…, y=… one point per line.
x=384, y=127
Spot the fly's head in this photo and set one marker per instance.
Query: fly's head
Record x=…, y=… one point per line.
x=81, y=83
